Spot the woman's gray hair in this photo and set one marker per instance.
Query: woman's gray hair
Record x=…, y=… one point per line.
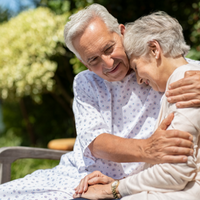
x=79, y=22
x=157, y=26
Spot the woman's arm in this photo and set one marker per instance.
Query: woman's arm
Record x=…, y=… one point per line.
x=167, y=177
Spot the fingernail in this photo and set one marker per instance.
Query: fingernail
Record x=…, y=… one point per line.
x=191, y=152
x=167, y=93
x=168, y=99
x=178, y=105
x=185, y=159
x=169, y=87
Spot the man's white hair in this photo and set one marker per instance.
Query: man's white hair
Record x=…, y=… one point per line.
x=79, y=22
x=157, y=26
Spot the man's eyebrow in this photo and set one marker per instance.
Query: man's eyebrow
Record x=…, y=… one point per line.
x=108, y=45
x=91, y=58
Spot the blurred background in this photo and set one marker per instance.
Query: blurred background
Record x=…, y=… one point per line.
x=37, y=70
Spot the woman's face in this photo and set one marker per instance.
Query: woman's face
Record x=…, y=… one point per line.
x=148, y=71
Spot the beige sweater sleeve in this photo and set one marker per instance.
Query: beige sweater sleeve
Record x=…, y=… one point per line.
x=168, y=177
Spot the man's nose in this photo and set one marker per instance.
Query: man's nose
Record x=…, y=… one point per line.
x=107, y=61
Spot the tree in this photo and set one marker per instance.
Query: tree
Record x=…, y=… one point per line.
x=4, y=15
x=194, y=20
x=35, y=63
x=29, y=43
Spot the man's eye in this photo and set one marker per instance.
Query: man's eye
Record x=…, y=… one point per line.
x=94, y=61
x=109, y=49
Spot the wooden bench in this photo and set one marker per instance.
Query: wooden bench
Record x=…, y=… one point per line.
x=9, y=154
x=65, y=144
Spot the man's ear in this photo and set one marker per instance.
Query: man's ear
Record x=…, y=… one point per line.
x=155, y=49
x=122, y=29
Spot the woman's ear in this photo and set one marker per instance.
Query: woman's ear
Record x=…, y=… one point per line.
x=155, y=49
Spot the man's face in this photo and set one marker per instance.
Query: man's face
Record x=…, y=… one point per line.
x=102, y=51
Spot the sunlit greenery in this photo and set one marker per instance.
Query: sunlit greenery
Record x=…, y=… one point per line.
x=28, y=43
x=195, y=34
x=29, y=166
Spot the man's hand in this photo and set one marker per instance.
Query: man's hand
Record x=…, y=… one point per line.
x=185, y=92
x=97, y=192
x=167, y=146
x=95, y=177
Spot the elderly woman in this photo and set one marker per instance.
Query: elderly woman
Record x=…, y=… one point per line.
x=156, y=49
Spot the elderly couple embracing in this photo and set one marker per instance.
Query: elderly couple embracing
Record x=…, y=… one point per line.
x=137, y=111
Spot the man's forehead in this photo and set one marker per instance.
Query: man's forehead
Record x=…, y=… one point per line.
x=96, y=38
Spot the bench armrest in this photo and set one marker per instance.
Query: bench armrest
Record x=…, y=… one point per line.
x=9, y=154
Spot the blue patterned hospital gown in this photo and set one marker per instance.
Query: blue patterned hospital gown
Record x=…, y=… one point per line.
x=121, y=108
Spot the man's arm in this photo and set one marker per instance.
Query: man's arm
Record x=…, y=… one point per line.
x=93, y=132
x=171, y=146
x=185, y=92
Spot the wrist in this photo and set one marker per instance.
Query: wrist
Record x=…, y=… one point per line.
x=107, y=192
x=118, y=193
x=114, y=189
x=142, y=145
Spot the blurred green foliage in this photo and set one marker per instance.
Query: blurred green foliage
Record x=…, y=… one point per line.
x=195, y=32
x=4, y=15
x=47, y=121
x=29, y=166
x=28, y=44
x=37, y=70
x=37, y=91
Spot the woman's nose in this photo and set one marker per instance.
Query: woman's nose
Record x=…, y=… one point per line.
x=139, y=79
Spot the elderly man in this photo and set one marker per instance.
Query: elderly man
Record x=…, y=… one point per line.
x=114, y=116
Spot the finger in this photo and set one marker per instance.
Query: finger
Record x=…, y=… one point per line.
x=166, y=122
x=176, y=144
x=191, y=73
x=187, y=80
x=174, y=159
x=177, y=134
x=89, y=177
x=98, y=180
x=180, y=83
x=181, y=151
x=187, y=104
x=76, y=195
x=85, y=184
x=192, y=90
x=182, y=97
x=80, y=187
x=180, y=142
